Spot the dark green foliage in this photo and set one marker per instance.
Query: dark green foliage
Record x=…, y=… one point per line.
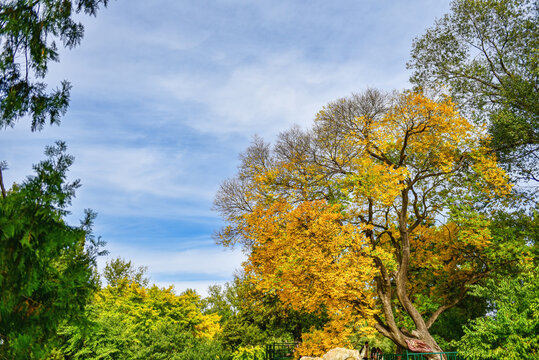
x=249, y=318
x=517, y=234
x=201, y=349
x=29, y=31
x=46, y=265
x=515, y=237
x=450, y=324
x=487, y=53
x=238, y=326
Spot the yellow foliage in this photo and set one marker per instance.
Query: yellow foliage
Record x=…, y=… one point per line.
x=322, y=228
x=209, y=326
x=147, y=308
x=295, y=247
x=317, y=342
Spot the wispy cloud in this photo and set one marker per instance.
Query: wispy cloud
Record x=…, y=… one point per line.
x=268, y=96
x=167, y=93
x=192, y=268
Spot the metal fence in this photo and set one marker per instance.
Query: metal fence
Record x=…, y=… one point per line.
x=280, y=351
x=420, y=356
x=285, y=351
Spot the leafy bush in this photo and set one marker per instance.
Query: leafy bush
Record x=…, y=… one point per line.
x=249, y=353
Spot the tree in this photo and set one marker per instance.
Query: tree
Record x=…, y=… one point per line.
x=376, y=215
x=222, y=300
x=47, y=268
x=449, y=327
x=46, y=265
x=250, y=317
x=487, y=54
x=131, y=321
x=119, y=269
x=29, y=30
x=511, y=329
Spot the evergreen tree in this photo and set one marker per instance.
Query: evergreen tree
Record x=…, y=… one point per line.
x=46, y=266
x=29, y=32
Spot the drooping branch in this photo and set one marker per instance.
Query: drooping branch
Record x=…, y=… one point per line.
x=461, y=295
x=381, y=327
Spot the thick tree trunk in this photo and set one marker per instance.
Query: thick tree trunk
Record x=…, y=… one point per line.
x=420, y=339
x=416, y=343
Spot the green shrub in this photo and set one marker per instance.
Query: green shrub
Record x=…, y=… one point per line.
x=249, y=353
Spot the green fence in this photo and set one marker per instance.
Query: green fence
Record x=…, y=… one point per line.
x=420, y=356
x=285, y=351
x=280, y=351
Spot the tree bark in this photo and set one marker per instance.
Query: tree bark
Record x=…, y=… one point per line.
x=402, y=337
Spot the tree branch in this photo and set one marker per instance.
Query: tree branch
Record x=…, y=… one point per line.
x=4, y=194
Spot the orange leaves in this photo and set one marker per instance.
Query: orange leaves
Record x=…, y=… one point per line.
x=318, y=342
x=311, y=259
x=331, y=214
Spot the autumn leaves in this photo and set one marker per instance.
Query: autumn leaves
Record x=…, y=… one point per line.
x=336, y=217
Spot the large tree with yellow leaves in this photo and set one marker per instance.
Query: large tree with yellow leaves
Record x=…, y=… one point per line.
x=375, y=216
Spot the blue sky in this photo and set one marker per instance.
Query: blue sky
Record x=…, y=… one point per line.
x=166, y=94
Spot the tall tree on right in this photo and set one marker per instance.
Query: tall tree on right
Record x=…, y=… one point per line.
x=379, y=216
x=487, y=53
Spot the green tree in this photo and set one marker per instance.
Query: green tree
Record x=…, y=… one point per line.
x=450, y=324
x=511, y=329
x=240, y=321
x=29, y=32
x=131, y=321
x=509, y=326
x=250, y=317
x=46, y=265
x=119, y=269
x=487, y=53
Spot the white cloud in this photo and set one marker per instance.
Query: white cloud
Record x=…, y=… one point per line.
x=165, y=95
x=215, y=265
x=268, y=96
x=201, y=287
x=133, y=170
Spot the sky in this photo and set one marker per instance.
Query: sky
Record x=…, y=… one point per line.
x=167, y=94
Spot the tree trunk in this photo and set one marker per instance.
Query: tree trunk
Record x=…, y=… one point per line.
x=419, y=340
